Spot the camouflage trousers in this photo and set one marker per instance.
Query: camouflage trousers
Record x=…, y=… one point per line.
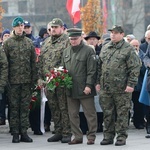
x=59, y=109
x=19, y=96
x=115, y=108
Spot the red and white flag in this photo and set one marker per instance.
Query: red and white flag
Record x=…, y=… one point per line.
x=73, y=8
x=105, y=15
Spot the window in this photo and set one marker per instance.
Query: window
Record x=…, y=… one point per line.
x=5, y=6
x=22, y=6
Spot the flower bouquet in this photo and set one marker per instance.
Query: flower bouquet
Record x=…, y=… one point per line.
x=58, y=77
x=36, y=98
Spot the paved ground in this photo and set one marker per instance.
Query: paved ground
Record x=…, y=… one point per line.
x=136, y=141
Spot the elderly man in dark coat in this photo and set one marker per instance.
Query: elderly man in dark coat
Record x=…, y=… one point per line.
x=80, y=61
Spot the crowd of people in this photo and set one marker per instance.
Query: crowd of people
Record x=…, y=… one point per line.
x=111, y=68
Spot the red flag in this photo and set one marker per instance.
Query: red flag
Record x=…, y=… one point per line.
x=73, y=8
x=105, y=14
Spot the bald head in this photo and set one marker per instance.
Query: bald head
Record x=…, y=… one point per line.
x=136, y=44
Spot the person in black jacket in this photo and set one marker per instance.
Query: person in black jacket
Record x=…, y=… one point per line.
x=144, y=45
x=92, y=39
x=138, y=108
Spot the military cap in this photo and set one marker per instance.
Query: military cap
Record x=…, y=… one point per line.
x=73, y=32
x=56, y=22
x=17, y=21
x=27, y=24
x=117, y=28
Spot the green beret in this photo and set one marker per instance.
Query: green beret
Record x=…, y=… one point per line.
x=73, y=32
x=56, y=22
x=17, y=21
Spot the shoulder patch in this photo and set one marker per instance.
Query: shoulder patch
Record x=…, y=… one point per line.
x=94, y=57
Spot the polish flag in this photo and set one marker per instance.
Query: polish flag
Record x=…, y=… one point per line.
x=73, y=8
x=105, y=15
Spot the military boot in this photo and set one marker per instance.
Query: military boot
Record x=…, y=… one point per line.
x=25, y=138
x=66, y=139
x=55, y=138
x=15, y=138
x=106, y=142
x=120, y=142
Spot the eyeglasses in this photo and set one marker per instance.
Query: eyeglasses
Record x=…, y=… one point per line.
x=74, y=39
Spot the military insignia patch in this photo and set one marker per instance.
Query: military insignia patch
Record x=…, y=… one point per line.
x=94, y=57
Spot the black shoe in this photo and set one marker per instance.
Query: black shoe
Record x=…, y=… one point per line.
x=25, y=138
x=55, y=138
x=66, y=139
x=38, y=133
x=15, y=138
x=120, y=142
x=106, y=142
x=147, y=136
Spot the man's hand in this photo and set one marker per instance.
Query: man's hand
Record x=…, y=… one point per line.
x=40, y=83
x=87, y=90
x=97, y=87
x=129, y=89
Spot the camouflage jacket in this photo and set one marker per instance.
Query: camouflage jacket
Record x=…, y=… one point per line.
x=21, y=59
x=80, y=61
x=51, y=53
x=3, y=69
x=119, y=67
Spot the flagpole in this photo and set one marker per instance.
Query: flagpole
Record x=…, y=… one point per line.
x=82, y=3
x=113, y=10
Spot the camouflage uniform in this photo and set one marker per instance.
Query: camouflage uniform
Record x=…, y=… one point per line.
x=22, y=75
x=3, y=70
x=119, y=67
x=51, y=54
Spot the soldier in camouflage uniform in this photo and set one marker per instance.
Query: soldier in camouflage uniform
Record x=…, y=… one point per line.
x=22, y=75
x=5, y=35
x=51, y=54
x=3, y=70
x=118, y=71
